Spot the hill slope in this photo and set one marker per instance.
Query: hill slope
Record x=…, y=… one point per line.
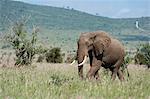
x=61, y=22
x=60, y=18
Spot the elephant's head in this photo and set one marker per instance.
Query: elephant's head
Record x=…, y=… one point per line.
x=96, y=41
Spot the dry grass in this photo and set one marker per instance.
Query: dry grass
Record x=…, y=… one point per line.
x=60, y=81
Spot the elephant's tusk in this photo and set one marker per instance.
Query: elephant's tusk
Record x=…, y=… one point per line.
x=85, y=57
x=73, y=62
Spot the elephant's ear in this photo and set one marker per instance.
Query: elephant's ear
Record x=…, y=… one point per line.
x=101, y=43
x=106, y=41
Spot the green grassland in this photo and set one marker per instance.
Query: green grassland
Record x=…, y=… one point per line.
x=60, y=81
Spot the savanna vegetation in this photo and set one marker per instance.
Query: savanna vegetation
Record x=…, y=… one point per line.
x=45, y=80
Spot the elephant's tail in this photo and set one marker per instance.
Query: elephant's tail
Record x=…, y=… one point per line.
x=127, y=71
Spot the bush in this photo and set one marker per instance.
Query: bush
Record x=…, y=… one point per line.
x=143, y=55
x=24, y=46
x=54, y=55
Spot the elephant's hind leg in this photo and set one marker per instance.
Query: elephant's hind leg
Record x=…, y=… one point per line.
x=120, y=75
x=115, y=69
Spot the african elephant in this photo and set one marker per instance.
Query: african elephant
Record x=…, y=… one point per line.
x=102, y=50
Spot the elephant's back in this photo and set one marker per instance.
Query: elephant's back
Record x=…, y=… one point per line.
x=114, y=52
x=117, y=46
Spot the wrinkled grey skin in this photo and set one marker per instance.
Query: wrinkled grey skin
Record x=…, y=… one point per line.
x=102, y=50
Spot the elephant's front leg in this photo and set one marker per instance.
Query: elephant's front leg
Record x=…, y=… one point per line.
x=93, y=72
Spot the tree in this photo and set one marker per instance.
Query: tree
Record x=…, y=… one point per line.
x=24, y=45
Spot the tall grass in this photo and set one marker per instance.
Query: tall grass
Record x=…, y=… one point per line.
x=62, y=82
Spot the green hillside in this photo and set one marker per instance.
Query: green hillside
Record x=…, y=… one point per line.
x=59, y=26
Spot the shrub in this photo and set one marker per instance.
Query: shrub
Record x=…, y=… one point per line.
x=143, y=55
x=24, y=46
x=139, y=59
x=54, y=55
